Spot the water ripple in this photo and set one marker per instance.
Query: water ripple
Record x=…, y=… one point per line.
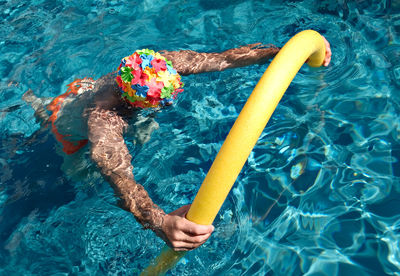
x=318, y=194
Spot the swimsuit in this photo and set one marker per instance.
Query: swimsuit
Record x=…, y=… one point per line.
x=69, y=108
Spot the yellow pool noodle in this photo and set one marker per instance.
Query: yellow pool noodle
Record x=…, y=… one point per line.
x=252, y=120
x=305, y=46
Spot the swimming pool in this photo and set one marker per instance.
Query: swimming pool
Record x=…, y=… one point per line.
x=319, y=195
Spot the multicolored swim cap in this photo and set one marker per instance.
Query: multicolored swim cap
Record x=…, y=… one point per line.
x=147, y=79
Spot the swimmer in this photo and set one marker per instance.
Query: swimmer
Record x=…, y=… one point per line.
x=145, y=79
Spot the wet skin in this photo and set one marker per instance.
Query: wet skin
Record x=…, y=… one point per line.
x=108, y=117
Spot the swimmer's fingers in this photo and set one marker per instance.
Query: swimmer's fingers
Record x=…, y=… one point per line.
x=192, y=229
x=190, y=235
x=189, y=243
x=182, y=234
x=328, y=52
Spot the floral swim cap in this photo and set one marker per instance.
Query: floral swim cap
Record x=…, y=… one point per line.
x=147, y=79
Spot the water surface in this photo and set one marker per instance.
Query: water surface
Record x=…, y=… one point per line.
x=319, y=194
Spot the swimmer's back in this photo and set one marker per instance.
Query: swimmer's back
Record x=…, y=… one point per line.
x=71, y=109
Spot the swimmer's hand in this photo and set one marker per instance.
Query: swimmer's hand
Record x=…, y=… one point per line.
x=181, y=234
x=328, y=53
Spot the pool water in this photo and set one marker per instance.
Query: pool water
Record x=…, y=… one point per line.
x=319, y=195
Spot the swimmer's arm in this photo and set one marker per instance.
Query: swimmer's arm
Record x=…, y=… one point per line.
x=188, y=62
x=110, y=153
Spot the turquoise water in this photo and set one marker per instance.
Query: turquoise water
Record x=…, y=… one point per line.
x=319, y=195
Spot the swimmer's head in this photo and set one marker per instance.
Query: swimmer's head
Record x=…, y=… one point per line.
x=147, y=79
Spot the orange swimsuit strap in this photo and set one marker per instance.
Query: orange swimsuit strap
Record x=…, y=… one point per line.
x=69, y=147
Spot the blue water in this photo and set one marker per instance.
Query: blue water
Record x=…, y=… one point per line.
x=319, y=195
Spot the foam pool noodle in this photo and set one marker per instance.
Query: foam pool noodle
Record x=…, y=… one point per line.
x=305, y=46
